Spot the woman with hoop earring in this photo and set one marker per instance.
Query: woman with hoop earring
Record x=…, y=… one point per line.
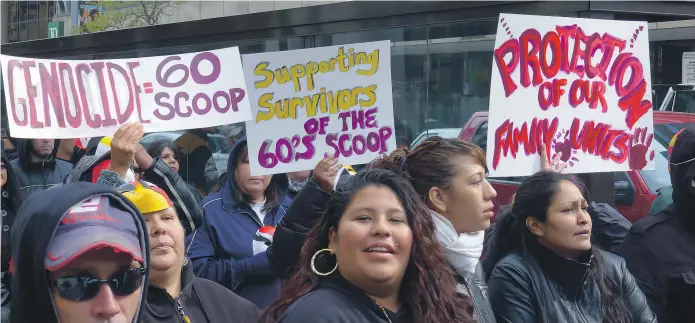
x=372, y=257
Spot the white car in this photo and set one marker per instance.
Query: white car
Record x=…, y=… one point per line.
x=442, y=132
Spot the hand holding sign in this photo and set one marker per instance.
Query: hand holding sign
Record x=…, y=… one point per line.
x=556, y=165
x=325, y=173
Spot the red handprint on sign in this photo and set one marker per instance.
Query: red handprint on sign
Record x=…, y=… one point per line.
x=640, y=143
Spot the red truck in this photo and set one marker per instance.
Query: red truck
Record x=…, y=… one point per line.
x=634, y=190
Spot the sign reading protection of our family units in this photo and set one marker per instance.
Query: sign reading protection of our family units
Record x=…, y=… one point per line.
x=329, y=101
x=581, y=86
x=80, y=98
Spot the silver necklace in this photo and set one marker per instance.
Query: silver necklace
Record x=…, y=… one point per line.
x=382, y=310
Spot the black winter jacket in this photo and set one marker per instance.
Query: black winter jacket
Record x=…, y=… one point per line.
x=185, y=198
x=337, y=301
x=38, y=176
x=201, y=301
x=306, y=208
x=659, y=249
x=542, y=287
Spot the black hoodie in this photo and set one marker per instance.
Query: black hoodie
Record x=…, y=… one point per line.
x=659, y=249
x=31, y=234
x=38, y=176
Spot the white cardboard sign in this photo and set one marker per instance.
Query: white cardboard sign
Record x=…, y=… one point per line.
x=310, y=103
x=581, y=86
x=82, y=98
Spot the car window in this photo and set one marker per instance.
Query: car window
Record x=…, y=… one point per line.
x=480, y=136
x=148, y=140
x=684, y=101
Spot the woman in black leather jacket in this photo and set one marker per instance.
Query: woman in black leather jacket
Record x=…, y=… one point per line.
x=547, y=271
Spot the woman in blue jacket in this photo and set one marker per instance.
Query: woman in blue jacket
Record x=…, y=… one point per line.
x=239, y=222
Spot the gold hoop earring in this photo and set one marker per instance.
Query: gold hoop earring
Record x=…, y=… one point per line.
x=313, y=267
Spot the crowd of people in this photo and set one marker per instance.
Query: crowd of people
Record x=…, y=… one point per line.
x=114, y=232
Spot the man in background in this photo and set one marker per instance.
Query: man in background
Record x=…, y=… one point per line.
x=37, y=167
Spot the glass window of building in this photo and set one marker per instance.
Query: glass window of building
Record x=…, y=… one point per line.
x=32, y=20
x=408, y=73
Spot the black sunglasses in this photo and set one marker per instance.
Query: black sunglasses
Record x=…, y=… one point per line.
x=79, y=288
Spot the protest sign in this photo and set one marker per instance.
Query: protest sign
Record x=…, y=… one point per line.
x=71, y=98
x=581, y=86
x=310, y=103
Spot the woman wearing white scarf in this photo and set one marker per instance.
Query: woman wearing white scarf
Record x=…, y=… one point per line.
x=462, y=250
x=449, y=175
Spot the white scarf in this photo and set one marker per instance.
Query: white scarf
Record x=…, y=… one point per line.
x=462, y=251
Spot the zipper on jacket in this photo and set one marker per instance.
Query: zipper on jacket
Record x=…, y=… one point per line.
x=45, y=181
x=184, y=317
x=475, y=304
x=254, y=218
x=576, y=298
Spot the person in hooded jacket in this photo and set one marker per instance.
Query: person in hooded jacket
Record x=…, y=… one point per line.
x=659, y=249
x=80, y=254
x=175, y=294
x=239, y=222
x=37, y=167
x=11, y=201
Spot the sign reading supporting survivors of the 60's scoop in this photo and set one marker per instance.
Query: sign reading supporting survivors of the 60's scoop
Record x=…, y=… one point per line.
x=581, y=86
x=69, y=99
x=310, y=103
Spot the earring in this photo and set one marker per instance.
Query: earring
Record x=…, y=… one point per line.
x=313, y=266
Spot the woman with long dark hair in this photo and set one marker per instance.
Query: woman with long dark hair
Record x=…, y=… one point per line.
x=372, y=258
x=11, y=201
x=546, y=269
